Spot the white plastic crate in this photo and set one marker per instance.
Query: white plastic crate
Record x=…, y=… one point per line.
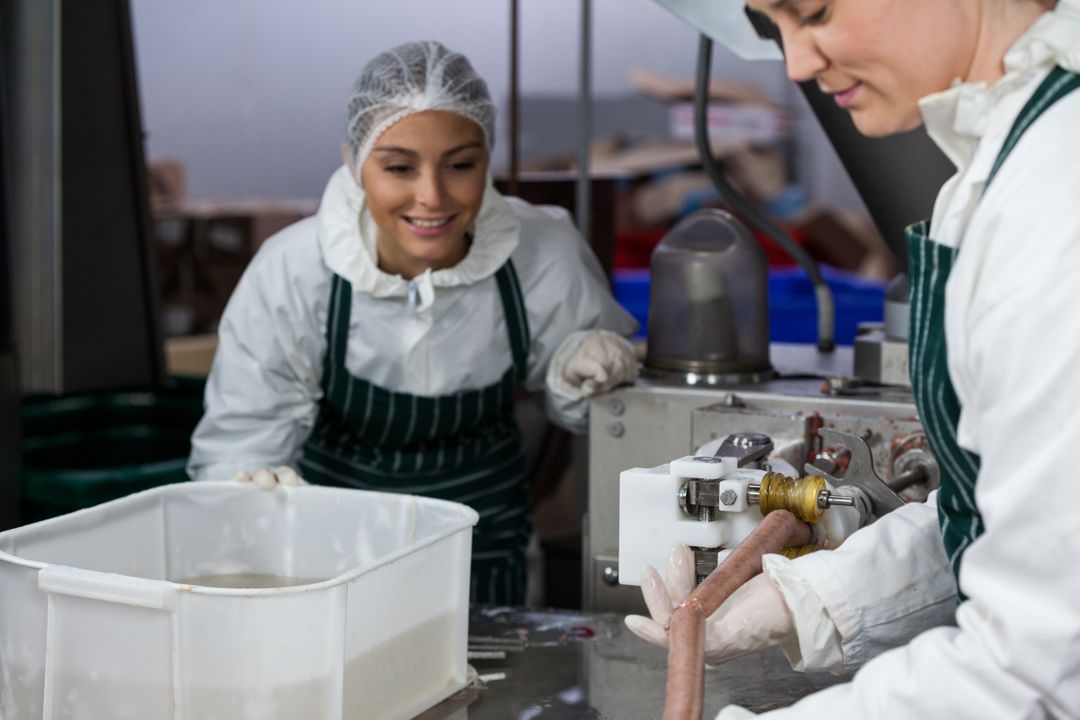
x=93, y=624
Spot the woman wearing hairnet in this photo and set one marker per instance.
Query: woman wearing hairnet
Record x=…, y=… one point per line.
x=379, y=344
x=967, y=606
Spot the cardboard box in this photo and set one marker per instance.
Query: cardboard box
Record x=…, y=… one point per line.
x=203, y=248
x=167, y=181
x=190, y=355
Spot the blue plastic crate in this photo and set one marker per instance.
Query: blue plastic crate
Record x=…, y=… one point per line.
x=792, y=308
x=631, y=289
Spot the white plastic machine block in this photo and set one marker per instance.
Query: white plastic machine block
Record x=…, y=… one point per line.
x=703, y=467
x=651, y=521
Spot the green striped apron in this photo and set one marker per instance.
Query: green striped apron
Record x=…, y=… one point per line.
x=939, y=409
x=464, y=447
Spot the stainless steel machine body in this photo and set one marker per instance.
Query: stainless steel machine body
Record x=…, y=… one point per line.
x=649, y=424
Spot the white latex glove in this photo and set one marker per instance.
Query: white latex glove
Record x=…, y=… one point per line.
x=268, y=479
x=755, y=616
x=590, y=362
x=734, y=712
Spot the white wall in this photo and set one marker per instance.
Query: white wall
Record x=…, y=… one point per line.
x=250, y=94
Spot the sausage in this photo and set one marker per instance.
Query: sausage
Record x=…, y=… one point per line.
x=686, y=630
x=685, y=690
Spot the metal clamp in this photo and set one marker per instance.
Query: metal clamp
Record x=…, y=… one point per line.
x=746, y=448
x=860, y=472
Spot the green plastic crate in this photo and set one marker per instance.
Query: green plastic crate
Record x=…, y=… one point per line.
x=81, y=450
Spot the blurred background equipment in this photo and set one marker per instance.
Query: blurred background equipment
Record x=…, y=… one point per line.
x=86, y=409
x=10, y=511
x=85, y=305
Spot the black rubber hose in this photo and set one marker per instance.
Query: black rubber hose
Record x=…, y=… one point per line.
x=822, y=292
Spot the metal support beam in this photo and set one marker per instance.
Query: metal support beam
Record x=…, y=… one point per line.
x=32, y=89
x=515, y=119
x=582, y=203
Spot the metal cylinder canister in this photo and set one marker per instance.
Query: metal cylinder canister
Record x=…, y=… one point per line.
x=708, y=309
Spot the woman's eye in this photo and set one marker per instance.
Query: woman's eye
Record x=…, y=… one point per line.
x=463, y=166
x=815, y=18
x=397, y=169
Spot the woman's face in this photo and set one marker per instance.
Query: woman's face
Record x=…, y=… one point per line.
x=876, y=58
x=425, y=180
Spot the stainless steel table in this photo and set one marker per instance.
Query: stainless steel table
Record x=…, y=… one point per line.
x=567, y=665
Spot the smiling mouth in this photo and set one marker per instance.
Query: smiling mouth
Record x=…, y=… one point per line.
x=429, y=223
x=844, y=97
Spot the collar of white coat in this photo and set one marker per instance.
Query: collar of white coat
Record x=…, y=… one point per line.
x=347, y=237
x=956, y=119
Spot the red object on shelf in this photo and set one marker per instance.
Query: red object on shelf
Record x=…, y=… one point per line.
x=777, y=256
x=633, y=248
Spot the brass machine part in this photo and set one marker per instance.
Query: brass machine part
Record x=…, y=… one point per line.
x=805, y=497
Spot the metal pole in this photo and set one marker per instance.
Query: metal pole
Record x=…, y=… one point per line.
x=32, y=55
x=583, y=199
x=512, y=184
x=10, y=443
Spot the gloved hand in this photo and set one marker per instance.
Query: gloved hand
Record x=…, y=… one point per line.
x=268, y=479
x=590, y=362
x=755, y=616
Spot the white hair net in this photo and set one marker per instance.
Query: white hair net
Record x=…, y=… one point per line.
x=412, y=78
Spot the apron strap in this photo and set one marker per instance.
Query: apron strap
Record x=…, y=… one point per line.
x=335, y=379
x=1059, y=83
x=517, y=323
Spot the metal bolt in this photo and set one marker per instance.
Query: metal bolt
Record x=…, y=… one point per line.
x=733, y=400
x=728, y=497
x=751, y=440
x=842, y=385
x=684, y=497
x=610, y=576
x=616, y=407
x=616, y=429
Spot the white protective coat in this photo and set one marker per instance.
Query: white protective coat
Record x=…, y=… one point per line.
x=1013, y=332
x=440, y=333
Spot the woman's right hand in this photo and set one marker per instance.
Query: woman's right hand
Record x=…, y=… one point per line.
x=268, y=479
x=755, y=616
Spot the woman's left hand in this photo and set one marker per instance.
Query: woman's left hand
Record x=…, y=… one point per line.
x=591, y=362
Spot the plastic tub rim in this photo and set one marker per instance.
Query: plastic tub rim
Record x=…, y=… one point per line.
x=468, y=520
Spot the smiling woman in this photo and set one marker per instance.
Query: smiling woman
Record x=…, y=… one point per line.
x=425, y=182
x=878, y=58
x=380, y=345
x=949, y=607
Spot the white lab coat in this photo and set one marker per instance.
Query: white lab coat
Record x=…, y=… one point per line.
x=1012, y=323
x=440, y=333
